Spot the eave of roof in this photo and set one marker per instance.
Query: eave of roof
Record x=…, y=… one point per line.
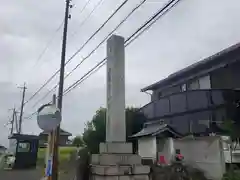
x=23, y=136
x=156, y=130
x=2, y=147
x=192, y=67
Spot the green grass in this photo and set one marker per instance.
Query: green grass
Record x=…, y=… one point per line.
x=64, y=154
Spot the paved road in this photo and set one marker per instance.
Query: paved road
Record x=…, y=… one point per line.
x=20, y=175
x=30, y=175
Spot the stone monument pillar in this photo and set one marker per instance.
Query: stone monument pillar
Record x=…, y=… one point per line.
x=115, y=126
x=116, y=160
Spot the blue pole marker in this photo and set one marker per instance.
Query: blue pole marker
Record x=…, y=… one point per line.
x=49, y=167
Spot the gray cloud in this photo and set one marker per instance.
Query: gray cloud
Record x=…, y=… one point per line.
x=191, y=31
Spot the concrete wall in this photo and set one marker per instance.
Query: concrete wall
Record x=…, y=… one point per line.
x=147, y=147
x=204, y=153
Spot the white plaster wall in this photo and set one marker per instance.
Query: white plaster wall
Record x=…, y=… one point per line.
x=203, y=153
x=165, y=147
x=147, y=147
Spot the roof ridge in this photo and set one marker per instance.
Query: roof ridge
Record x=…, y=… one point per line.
x=194, y=65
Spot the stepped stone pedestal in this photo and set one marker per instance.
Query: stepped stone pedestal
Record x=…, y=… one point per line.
x=116, y=162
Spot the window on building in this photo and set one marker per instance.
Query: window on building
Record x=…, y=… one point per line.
x=194, y=85
x=23, y=147
x=161, y=121
x=200, y=83
x=159, y=95
x=184, y=87
x=204, y=82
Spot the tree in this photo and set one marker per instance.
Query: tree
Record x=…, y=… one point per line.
x=95, y=130
x=232, y=131
x=78, y=141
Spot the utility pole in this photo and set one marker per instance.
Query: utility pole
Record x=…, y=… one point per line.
x=50, y=147
x=12, y=121
x=22, y=105
x=60, y=90
x=16, y=122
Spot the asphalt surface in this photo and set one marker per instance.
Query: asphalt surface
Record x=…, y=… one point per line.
x=35, y=174
x=20, y=174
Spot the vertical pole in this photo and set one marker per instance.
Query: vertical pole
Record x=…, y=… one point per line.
x=60, y=91
x=12, y=122
x=22, y=105
x=49, y=152
x=16, y=122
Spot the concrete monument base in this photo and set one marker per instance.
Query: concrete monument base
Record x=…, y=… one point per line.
x=116, y=162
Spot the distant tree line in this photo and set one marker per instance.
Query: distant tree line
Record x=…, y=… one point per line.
x=95, y=129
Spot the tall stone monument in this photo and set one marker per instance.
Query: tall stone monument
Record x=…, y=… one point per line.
x=116, y=160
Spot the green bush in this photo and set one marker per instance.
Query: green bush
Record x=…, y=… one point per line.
x=235, y=175
x=64, y=155
x=170, y=173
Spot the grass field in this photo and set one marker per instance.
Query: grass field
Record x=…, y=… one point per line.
x=64, y=154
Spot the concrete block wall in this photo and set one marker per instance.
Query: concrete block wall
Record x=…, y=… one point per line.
x=204, y=153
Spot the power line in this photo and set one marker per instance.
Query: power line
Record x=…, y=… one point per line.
x=128, y=41
x=89, y=15
x=83, y=78
x=75, y=84
x=40, y=56
x=49, y=43
x=118, y=26
x=49, y=80
x=153, y=20
x=83, y=22
x=97, y=31
x=89, y=39
x=85, y=58
x=49, y=92
x=84, y=7
x=47, y=46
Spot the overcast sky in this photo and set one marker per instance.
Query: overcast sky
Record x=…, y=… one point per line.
x=193, y=30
